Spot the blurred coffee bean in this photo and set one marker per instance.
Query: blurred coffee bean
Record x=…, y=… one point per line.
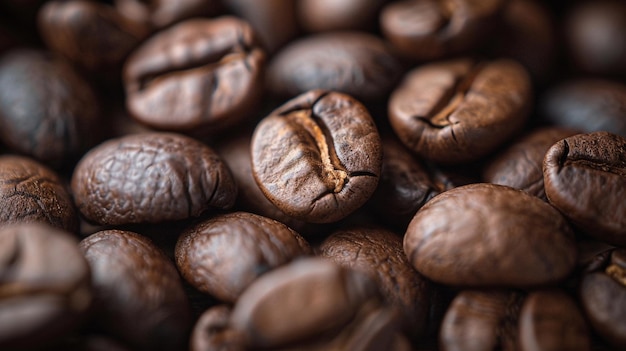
x=47, y=110
x=378, y=253
x=589, y=105
x=595, y=34
x=162, y=13
x=551, y=320
x=481, y=320
x=423, y=30
x=335, y=15
x=223, y=255
x=139, y=295
x=31, y=192
x=151, y=178
x=458, y=111
x=91, y=34
x=355, y=63
x=213, y=332
x=317, y=157
x=490, y=235
x=585, y=179
x=274, y=21
x=405, y=185
x=603, y=299
x=520, y=165
x=200, y=76
x=45, y=288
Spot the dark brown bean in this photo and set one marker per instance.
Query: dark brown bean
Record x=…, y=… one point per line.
x=31, y=192
x=355, y=63
x=45, y=288
x=490, y=235
x=317, y=157
x=459, y=111
x=213, y=332
x=47, y=110
x=585, y=179
x=335, y=15
x=200, y=76
x=159, y=13
x=151, y=177
x=223, y=255
x=139, y=296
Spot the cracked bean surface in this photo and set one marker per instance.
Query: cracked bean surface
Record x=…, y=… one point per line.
x=151, y=177
x=31, y=192
x=458, y=111
x=318, y=157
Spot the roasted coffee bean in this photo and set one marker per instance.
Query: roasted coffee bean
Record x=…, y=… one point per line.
x=589, y=105
x=458, y=111
x=335, y=15
x=46, y=110
x=213, y=332
x=431, y=29
x=551, y=320
x=405, y=185
x=378, y=253
x=139, y=296
x=223, y=255
x=595, y=34
x=45, y=288
x=355, y=63
x=31, y=192
x=520, y=165
x=151, y=177
x=160, y=13
x=91, y=34
x=237, y=155
x=481, y=320
x=603, y=299
x=200, y=76
x=318, y=157
x=585, y=179
x=273, y=20
x=490, y=235
x=315, y=297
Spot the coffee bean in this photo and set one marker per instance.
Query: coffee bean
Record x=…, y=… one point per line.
x=520, y=165
x=31, y=192
x=405, y=185
x=430, y=29
x=336, y=15
x=93, y=35
x=354, y=63
x=159, y=14
x=458, y=111
x=315, y=297
x=551, y=320
x=481, y=320
x=46, y=109
x=223, y=255
x=151, y=177
x=45, y=289
x=200, y=76
x=589, y=105
x=585, y=179
x=213, y=331
x=317, y=157
x=490, y=235
x=378, y=253
x=139, y=296
x=603, y=299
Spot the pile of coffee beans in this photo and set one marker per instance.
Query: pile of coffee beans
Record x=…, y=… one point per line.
x=402, y=175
